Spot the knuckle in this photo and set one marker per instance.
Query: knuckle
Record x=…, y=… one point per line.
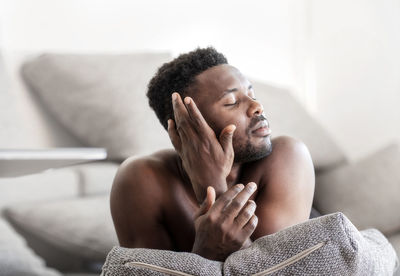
x=224, y=228
x=197, y=121
x=238, y=187
x=235, y=204
x=248, y=213
x=252, y=205
x=231, y=236
x=224, y=198
x=211, y=219
x=254, y=221
x=182, y=124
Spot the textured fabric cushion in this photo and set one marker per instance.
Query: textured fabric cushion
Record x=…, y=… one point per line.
x=395, y=241
x=328, y=245
x=101, y=99
x=80, y=226
x=16, y=259
x=367, y=191
x=53, y=184
x=288, y=117
x=148, y=262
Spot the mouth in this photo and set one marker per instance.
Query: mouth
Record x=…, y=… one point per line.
x=261, y=129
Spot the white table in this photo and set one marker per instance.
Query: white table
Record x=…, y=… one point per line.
x=17, y=162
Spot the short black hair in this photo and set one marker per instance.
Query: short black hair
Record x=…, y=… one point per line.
x=177, y=76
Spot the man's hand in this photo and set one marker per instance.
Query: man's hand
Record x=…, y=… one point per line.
x=206, y=159
x=225, y=226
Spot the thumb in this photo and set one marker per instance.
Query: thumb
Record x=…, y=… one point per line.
x=207, y=203
x=225, y=138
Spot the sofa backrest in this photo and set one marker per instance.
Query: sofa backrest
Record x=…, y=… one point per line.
x=99, y=100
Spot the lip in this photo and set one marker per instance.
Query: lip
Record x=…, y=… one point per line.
x=261, y=129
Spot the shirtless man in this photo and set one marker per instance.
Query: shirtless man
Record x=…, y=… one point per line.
x=226, y=183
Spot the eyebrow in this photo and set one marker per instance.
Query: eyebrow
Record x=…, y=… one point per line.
x=232, y=90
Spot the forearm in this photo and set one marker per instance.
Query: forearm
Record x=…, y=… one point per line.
x=200, y=187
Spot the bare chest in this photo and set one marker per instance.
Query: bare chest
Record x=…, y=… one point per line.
x=179, y=218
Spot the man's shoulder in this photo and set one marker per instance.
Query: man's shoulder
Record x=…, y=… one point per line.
x=147, y=169
x=286, y=152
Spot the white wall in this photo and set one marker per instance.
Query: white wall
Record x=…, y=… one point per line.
x=340, y=58
x=256, y=35
x=357, y=63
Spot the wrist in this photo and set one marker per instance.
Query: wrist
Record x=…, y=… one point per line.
x=208, y=254
x=200, y=187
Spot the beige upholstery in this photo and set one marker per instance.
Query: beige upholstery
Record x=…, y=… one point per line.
x=101, y=99
x=80, y=226
x=288, y=117
x=368, y=191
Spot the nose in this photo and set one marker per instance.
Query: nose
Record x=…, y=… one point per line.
x=255, y=108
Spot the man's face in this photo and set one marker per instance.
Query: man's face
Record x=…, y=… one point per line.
x=224, y=96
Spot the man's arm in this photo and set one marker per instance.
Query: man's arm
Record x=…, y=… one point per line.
x=287, y=187
x=136, y=203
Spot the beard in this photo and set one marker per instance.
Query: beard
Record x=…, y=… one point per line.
x=248, y=152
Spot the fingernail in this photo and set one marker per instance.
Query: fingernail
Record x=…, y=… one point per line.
x=252, y=186
x=187, y=100
x=252, y=202
x=232, y=129
x=240, y=186
x=174, y=96
x=169, y=123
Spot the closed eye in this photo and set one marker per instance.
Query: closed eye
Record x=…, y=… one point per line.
x=232, y=104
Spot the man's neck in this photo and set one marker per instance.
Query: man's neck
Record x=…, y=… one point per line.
x=233, y=176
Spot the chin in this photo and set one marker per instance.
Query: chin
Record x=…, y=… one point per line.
x=250, y=152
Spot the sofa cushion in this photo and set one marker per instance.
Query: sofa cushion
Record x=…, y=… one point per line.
x=82, y=226
x=101, y=99
x=288, y=117
x=52, y=184
x=328, y=245
x=16, y=258
x=366, y=191
x=395, y=241
x=96, y=178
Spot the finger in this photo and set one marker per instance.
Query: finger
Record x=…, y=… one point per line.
x=207, y=203
x=180, y=112
x=225, y=139
x=236, y=205
x=224, y=199
x=245, y=214
x=174, y=136
x=195, y=115
x=250, y=226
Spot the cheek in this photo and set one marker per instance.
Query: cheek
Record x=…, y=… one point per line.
x=219, y=121
x=218, y=118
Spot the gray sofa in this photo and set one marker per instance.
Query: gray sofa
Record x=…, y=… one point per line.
x=61, y=218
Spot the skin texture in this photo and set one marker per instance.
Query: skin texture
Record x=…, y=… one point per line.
x=209, y=196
